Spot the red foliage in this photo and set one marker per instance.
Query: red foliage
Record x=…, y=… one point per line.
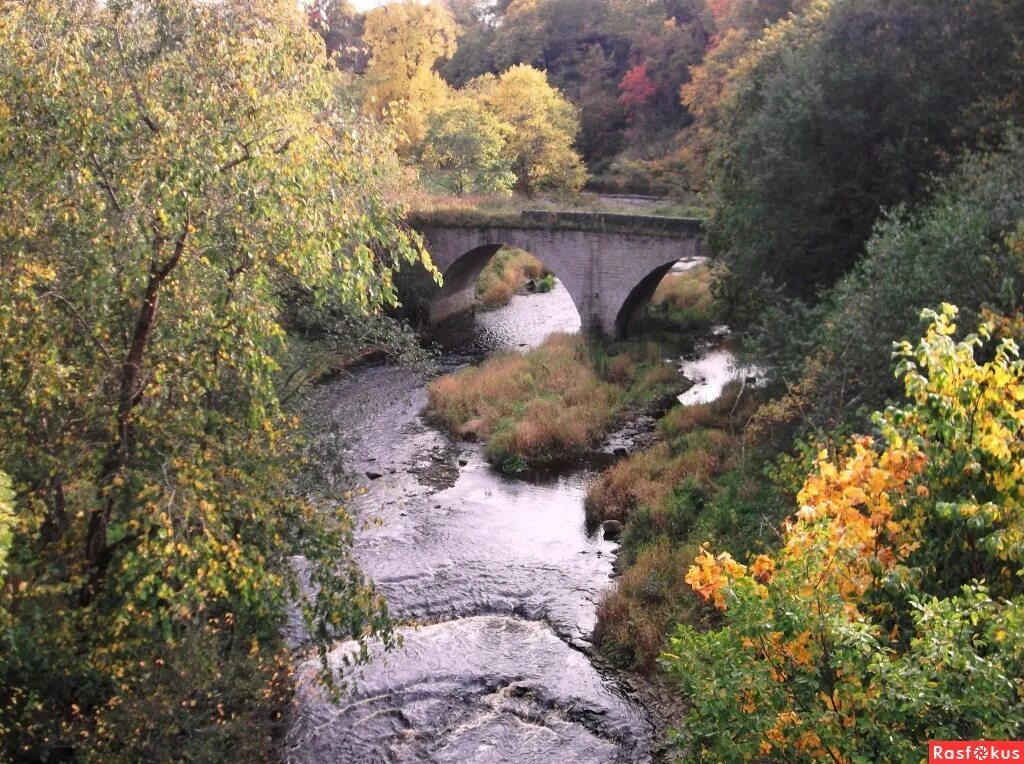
x=636, y=87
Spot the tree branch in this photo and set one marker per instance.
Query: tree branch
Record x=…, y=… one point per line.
x=151, y=123
x=97, y=552
x=247, y=154
x=105, y=183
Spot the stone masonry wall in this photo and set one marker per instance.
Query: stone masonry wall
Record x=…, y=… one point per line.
x=601, y=270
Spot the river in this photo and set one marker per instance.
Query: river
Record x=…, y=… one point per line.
x=496, y=578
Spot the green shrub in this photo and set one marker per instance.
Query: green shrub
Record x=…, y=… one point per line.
x=842, y=111
x=672, y=520
x=962, y=246
x=635, y=618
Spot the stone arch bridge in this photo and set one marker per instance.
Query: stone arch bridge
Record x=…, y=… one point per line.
x=610, y=264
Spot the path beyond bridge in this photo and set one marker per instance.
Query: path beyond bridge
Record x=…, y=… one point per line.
x=610, y=264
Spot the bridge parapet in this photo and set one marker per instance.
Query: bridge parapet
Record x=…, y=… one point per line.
x=602, y=222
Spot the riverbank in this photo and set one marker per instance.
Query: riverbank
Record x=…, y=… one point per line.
x=476, y=564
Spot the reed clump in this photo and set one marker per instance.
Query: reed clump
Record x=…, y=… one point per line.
x=531, y=409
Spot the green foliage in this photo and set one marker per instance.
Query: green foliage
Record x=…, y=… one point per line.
x=477, y=22
x=967, y=416
x=202, y=698
x=467, y=145
x=844, y=110
x=6, y=522
x=168, y=172
x=840, y=348
x=587, y=48
x=673, y=519
x=956, y=681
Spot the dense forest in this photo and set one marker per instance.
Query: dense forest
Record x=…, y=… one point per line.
x=203, y=211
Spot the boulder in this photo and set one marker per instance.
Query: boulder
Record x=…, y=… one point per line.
x=612, y=529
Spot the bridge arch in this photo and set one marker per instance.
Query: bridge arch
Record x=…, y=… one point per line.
x=639, y=297
x=460, y=279
x=608, y=273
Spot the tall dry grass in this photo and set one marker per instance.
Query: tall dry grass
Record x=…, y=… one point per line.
x=696, y=443
x=664, y=495
x=539, y=407
x=650, y=595
x=682, y=303
x=505, y=275
x=687, y=290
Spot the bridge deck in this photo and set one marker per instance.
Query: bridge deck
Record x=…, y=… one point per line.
x=598, y=222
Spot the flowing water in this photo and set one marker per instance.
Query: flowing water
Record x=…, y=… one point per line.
x=497, y=577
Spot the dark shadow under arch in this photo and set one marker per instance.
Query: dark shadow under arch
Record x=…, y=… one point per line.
x=639, y=297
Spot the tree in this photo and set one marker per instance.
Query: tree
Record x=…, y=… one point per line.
x=542, y=124
x=840, y=112
x=474, y=53
x=407, y=39
x=666, y=51
x=749, y=17
x=971, y=226
x=898, y=584
x=563, y=38
x=636, y=87
x=6, y=521
x=168, y=171
x=703, y=97
x=341, y=27
x=602, y=117
x=467, y=145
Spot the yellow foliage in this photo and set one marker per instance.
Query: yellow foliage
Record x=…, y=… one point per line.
x=541, y=127
x=947, y=479
x=406, y=40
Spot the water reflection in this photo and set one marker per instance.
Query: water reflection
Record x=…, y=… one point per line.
x=522, y=324
x=711, y=372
